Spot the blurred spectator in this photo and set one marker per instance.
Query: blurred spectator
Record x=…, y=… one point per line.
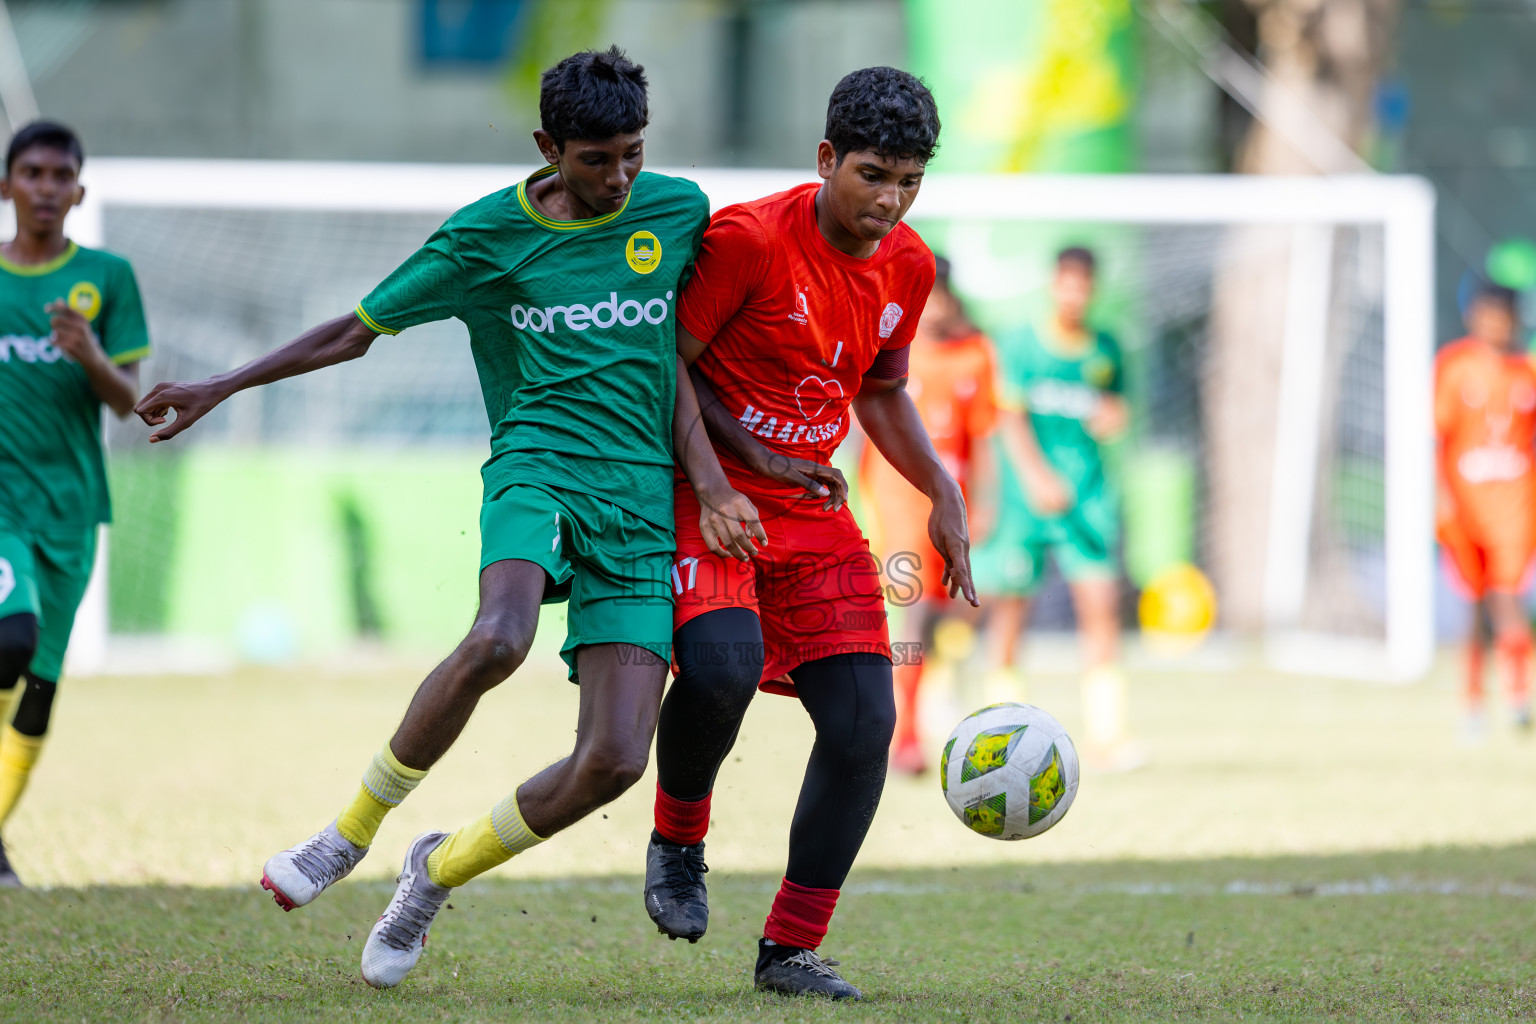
x=1061, y=399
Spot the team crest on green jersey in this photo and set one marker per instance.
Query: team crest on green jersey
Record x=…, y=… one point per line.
x=1099, y=371
x=643, y=252
x=85, y=299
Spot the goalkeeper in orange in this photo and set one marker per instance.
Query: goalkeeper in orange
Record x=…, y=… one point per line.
x=951, y=382
x=1485, y=431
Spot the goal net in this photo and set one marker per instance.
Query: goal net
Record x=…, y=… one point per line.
x=1278, y=338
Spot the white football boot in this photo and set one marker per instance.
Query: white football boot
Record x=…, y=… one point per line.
x=400, y=937
x=299, y=874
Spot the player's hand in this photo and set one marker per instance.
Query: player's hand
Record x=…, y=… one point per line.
x=729, y=524
x=1110, y=419
x=819, y=481
x=189, y=401
x=72, y=333
x=1048, y=493
x=947, y=530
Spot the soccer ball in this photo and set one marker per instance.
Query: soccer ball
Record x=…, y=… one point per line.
x=1009, y=771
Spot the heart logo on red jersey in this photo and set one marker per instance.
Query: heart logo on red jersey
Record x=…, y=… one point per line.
x=813, y=391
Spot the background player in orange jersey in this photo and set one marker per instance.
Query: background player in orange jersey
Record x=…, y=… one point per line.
x=1485, y=426
x=951, y=382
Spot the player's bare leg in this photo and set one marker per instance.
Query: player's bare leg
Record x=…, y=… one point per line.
x=1096, y=603
x=496, y=645
x=620, y=697
x=1005, y=625
x=494, y=648
x=1512, y=641
x=1108, y=744
x=1474, y=726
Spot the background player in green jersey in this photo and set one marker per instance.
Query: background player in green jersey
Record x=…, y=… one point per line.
x=567, y=283
x=1062, y=398
x=71, y=336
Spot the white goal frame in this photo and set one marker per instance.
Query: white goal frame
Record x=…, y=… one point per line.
x=1403, y=206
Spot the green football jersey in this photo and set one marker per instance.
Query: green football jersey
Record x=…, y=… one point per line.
x=1060, y=389
x=571, y=324
x=52, y=473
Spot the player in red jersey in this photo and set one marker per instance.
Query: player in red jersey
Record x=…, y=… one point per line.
x=1485, y=424
x=802, y=306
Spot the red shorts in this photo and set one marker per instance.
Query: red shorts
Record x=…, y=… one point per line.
x=1481, y=564
x=815, y=586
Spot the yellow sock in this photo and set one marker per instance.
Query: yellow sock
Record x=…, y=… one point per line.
x=18, y=754
x=385, y=784
x=1104, y=715
x=491, y=839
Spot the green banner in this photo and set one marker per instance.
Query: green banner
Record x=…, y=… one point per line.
x=1028, y=85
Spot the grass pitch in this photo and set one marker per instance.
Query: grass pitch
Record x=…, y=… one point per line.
x=1387, y=937
x=1297, y=850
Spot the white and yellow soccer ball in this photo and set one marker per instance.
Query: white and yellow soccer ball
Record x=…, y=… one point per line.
x=1009, y=771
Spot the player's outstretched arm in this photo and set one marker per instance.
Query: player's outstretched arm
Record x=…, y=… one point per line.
x=117, y=386
x=895, y=428
x=1044, y=487
x=728, y=521
x=334, y=341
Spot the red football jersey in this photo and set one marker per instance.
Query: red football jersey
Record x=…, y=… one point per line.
x=792, y=324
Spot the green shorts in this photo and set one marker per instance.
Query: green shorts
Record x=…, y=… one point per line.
x=45, y=573
x=1083, y=542
x=609, y=564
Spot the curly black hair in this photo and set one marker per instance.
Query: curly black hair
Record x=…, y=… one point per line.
x=595, y=95
x=885, y=110
x=49, y=134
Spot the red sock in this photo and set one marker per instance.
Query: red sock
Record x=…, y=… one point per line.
x=800, y=915
x=906, y=678
x=684, y=822
x=1515, y=661
x=1473, y=684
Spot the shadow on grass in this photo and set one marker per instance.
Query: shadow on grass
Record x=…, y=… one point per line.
x=1428, y=935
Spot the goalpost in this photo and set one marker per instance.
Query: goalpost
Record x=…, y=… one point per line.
x=233, y=254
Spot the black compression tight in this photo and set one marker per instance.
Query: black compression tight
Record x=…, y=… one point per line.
x=18, y=642
x=850, y=701
x=720, y=660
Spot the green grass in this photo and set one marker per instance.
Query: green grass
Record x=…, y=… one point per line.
x=1298, y=849
x=1440, y=935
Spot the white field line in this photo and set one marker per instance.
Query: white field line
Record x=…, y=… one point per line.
x=1378, y=885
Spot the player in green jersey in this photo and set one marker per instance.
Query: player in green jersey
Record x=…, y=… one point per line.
x=568, y=283
x=1062, y=398
x=71, y=336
